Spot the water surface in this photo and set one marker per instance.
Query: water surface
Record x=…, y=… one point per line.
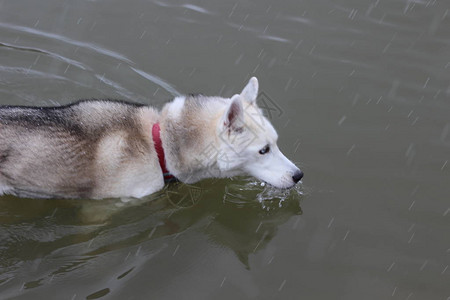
x=359, y=92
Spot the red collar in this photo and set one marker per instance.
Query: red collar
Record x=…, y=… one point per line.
x=160, y=151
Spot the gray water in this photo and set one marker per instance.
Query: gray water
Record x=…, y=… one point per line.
x=359, y=92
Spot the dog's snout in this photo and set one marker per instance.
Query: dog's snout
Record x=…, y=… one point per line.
x=297, y=176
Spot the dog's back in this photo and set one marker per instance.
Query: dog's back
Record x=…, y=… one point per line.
x=73, y=151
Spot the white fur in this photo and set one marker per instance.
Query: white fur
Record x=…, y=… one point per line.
x=273, y=168
x=176, y=107
x=250, y=92
x=134, y=180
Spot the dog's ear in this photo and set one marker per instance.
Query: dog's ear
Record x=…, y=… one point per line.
x=234, y=115
x=250, y=92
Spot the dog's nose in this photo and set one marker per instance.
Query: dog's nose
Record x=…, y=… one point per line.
x=297, y=176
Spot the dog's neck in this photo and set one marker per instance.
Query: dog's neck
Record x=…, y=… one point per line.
x=190, y=141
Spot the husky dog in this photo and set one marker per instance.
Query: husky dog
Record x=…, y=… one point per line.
x=108, y=149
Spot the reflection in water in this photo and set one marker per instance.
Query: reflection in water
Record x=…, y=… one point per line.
x=71, y=236
x=247, y=227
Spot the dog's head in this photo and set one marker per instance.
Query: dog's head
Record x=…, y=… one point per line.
x=249, y=142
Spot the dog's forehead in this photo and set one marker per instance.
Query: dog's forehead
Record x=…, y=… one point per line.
x=259, y=125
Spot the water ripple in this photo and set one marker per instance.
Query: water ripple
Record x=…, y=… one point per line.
x=157, y=80
x=117, y=87
x=48, y=53
x=268, y=196
x=30, y=72
x=88, y=46
x=53, y=36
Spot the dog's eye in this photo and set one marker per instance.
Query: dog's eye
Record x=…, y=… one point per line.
x=264, y=150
